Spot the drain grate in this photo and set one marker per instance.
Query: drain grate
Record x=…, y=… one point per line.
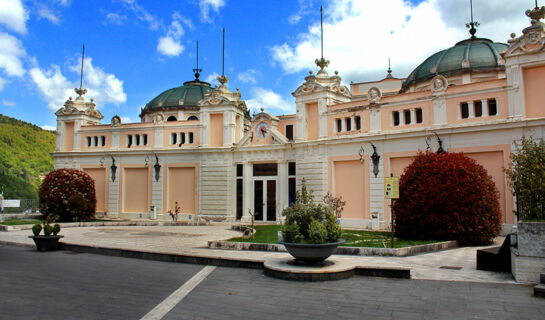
x=450, y=267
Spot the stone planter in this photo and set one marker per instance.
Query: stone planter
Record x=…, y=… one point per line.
x=311, y=253
x=528, y=256
x=46, y=243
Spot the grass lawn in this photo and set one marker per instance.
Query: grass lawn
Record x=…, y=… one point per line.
x=354, y=238
x=17, y=222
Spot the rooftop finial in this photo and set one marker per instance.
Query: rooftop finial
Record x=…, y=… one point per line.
x=473, y=24
x=537, y=14
x=197, y=70
x=223, y=79
x=389, y=70
x=322, y=63
x=80, y=91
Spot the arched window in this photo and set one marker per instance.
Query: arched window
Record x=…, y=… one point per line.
x=171, y=118
x=193, y=118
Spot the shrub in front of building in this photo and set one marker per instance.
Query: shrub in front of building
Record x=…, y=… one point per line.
x=526, y=174
x=447, y=196
x=307, y=222
x=68, y=194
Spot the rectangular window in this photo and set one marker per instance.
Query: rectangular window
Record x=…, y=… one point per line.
x=464, y=110
x=395, y=116
x=348, y=124
x=291, y=190
x=190, y=137
x=102, y=141
x=407, y=114
x=289, y=132
x=137, y=139
x=478, y=108
x=339, y=125
x=129, y=140
x=88, y=141
x=182, y=138
x=145, y=139
x=95, y=140
x=492, y=107
x=291, y=168
x=265, y=169
x=357, y=119
x=173, y=138
x=419, y=116
x=240, y=192
x=239, y=170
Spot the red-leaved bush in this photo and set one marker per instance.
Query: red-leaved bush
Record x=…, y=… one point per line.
x=447, y=196
x=68, y=193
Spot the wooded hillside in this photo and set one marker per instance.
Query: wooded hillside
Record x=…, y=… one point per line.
x=24, y=157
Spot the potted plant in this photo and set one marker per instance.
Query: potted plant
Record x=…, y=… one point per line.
x=310, y=231
x=50, y=239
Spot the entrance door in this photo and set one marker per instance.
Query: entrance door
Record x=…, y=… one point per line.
x=265, y=199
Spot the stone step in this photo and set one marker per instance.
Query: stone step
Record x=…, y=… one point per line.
x=539, y=290
x=542, y=278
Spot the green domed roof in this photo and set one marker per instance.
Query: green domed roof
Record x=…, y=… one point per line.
x=184, y=97
x=473, y=54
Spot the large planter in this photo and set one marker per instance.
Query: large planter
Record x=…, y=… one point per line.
x=311, y=253
x=46, y=243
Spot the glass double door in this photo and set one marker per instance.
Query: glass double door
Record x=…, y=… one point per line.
x=265, y=199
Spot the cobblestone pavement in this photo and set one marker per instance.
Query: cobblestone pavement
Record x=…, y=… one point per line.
x=66, y=285
x=192, y=240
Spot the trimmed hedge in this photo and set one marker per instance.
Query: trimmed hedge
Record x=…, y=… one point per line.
x=447, y=196
x=69, y=194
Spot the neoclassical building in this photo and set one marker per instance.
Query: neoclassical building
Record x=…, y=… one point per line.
x=199, y=145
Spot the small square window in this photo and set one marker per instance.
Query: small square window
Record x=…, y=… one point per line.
x=348, y=124
x=464, y=109
x=357, y=119
x=289, y=132
x=129, y=140
x=395, y=116
x=407, y=114
x=137, y=139
x=339, y=125
x=492, y=107
x=419, y=115
x=478, y=105
x=145, y=139
x=102, y=141
x=190, y=137
x=291, y=168
x=239, y=170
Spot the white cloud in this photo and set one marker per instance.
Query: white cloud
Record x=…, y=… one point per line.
x=270, y=100
x=8, y=103
x=142, y=14
x=49, y=128
x=305, y=8
x=13, y=15
x=46, y=13
x=53, y=85
x=211, y=78
x=115, y=18
x=126, y=120
x=360, y=35
x=11, y=53
x=206, y=5
x=248, y=76
x=2, y=84
x=170, y=44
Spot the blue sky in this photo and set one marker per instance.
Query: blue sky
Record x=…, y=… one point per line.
x=136, y=49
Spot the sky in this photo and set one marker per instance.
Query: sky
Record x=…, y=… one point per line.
x=136, y=49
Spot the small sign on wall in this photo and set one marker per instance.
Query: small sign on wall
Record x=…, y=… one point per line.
x=391, y=188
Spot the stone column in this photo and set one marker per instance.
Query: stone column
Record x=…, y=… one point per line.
x=471, y=109
x=484, y=104
x=413, y=116
x=301, y=130
x=247, y=191
x=322, y=118
x=282, y=188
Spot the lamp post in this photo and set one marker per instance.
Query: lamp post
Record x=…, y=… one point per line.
x=375, y=158
x=113, y=169
x=157, y=168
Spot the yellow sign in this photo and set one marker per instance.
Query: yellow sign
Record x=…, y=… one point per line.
x=391, y=188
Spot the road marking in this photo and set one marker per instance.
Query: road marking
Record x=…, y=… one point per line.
x=171, y=301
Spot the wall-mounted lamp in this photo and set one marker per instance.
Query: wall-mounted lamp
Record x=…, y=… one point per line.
x=374, y=157
x=113, y=169
x=439, y=141
x=157, y=168
x=102, y=162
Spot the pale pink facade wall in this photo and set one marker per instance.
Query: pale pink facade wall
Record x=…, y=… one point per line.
x=216, y=130
x=135, y=189
x=534, y=91
x=332, y=122
x=101, y=186
x=453, y=106
x=182, y=187
x=386, y=115
x=106, y=135
x=167, y=134
x=282, y=126
x=312, y=121
x=349, y=180
x=68, y=136
x=124, y=139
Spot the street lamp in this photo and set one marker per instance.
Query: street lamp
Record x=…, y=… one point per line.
x=374, y=157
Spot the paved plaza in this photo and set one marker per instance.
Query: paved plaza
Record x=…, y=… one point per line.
x=67, y=285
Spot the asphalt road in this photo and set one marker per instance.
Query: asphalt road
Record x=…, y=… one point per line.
x=66, y=285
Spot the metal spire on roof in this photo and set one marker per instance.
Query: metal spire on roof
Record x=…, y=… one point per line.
x=197, y=70
x=322, y=63
x=536, y=15
x=473, y=24
x=223, y=79
x=80, y=91
x=389, y=70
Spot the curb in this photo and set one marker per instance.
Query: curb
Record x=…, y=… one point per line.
x=106, y=224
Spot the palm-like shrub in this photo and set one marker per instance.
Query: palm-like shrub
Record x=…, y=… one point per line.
x=447, y=196
x=68, y=194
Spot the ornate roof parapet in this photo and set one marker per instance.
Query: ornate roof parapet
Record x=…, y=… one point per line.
x=322, y=82
x=79, y=106
x=532, y=38
x=222, y=95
